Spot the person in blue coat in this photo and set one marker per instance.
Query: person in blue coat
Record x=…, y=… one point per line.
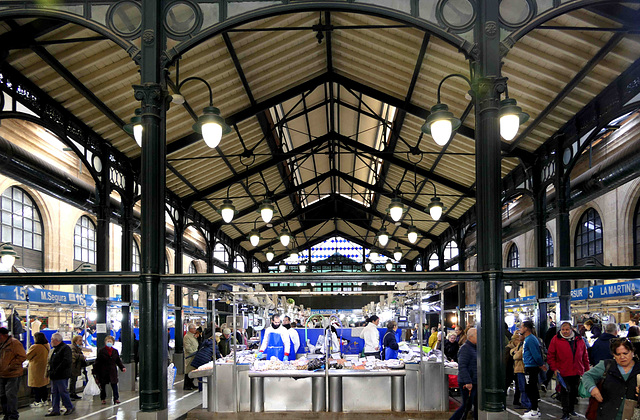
x=389, y=342
x=600, y=348
x=468, y=376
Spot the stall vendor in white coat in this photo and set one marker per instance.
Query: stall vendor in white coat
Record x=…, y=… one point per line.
x=371, y=337
x=276, y=341
x=293, y=335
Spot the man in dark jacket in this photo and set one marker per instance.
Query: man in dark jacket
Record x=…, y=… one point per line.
x=468, y=376
x=12, y=355
x=600, y=349
x=59, y=373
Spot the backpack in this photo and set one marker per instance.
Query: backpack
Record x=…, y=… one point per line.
x=543, y=350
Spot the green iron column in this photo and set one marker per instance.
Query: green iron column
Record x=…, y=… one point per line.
x=540, y=241
x=462, y=266
x=102, y=253
x=177, y=291
x=487, y=86
x=126, y=258
x=563, y=236
x=153, y=297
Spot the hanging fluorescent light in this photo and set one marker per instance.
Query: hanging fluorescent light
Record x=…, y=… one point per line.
x=227, y=210
x=383, y=237
x=285, y=237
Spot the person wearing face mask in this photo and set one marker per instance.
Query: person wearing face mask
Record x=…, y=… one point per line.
x=567, y=356
x=105, y=369
x=293, y=335
x=276, y=341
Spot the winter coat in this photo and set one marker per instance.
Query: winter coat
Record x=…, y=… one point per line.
x=518, y=358
x=37, y=357
x=568, y=357
x=615, y=388
x=78, y=361
x=451, y=350
x=205, y=353
x=12, y=355
x=468, y=364
x=190, y=346
x=600, y=349
x=390, y=345
x=106, y=367
x=60, y=362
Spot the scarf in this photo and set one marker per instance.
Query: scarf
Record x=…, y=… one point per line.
x=571, y=336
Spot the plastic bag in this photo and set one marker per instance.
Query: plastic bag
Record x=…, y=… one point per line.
x=171, y=375
x=91, y=388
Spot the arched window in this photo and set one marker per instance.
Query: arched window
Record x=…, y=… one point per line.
x=135, y=260
x=549, y=249
x=450, y=252
x=238, y=263
x=513, y=257
x=192, y=268
x=84, y=241
x=636, y=236
x=434, y=261
x=22, y=228
x=220, y=253
x=588, y=243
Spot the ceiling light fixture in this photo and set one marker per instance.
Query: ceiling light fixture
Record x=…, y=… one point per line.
x=285, y=237
x=135, y=126
x=388, y=265
x=383, y=237
x=367, y=265
x=396, y=209
x=270, y=254
x=254, y=235
x=397, y=253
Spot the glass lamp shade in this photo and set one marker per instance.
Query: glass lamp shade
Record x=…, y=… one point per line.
x=212, y=126
x=195, y=296
x=282, y=267
x=511, y=117
x=368, y=266
x=383, y=237
x=254, y=237
x=389, y=265
x=397, y=253
x=285, y=237
x=412, y=234
x=441, y=124
x=227, y=210
x=266, y=210
x=8, y=256
x=270, y=254
x=303, y=268
x=508, y=288
x=396, y=209
x=294, y=254
x=137, y=133
x=373, y=254
x=435, y=208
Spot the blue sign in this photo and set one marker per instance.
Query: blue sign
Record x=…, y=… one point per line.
x=19, y=294
x=605, y=291
x=515, y=301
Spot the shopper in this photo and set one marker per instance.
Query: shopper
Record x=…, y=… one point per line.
x=533, y=363
x=633, y=322
x=60, y=361
x=568, y=358
x=634, y=336
x=78, y=362
x=520, y=397
x=225, y=342
x=276, y=341
x=468, y=376
x=389, y=342
x=620, y=382
x=371, y=337
x=508, y=361
x=190, y=346
x=106, y=369
x=12, y=355
x=293, y=334
x=451, y=347
x=593, y=329
x=600, y=349
x=433, y=338
x=37, y=356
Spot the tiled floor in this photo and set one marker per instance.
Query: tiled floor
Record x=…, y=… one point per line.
x=180, y=403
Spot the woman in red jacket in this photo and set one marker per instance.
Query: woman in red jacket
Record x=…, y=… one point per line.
x=567, y=357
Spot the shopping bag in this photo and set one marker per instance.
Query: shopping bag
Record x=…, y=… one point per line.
x=171, y=375
x=91, y=388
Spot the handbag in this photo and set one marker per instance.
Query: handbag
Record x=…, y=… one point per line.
x=631, y=410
